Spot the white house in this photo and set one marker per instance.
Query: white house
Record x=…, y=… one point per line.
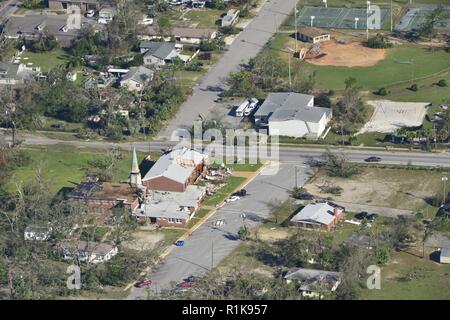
x=90, y=251
x=37, y=233
x=314, y=283
x=293, y=114
x=230, y=17
x=136, y=78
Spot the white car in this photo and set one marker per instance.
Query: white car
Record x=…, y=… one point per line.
x=232, y=199
x=90, y=13
x=147, y=21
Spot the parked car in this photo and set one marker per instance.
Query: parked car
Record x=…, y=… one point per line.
x=90, y=13
x=240, y=193
x=147, y=21
x=179, y=243
x=232, y=199
x=361, y=215
x=373, y=159
x=372, y=217
x=143, y=283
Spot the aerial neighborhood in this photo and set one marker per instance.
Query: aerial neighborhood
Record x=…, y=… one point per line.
x=224, y=150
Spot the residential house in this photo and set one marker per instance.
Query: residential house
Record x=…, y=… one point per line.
x=360, y=240
x=104, y=199
x=292, y=114
x=16, y=74
x=176, y=170
x=105, y=15
x=136, y=78
x=166, y=208
x=88, y=251
x=158, y=53
x=314, y=283
x=33, y=26
x=182, y=35
x=37, y=233
x=230, y=18
x=320, y=216
x=84, y=5
x=444, y=256
x=312, y=34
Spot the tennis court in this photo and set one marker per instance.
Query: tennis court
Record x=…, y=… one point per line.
x=340, y=18
x=416, y=15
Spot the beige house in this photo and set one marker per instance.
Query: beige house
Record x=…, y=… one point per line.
x=313, y=35
x=84, y=5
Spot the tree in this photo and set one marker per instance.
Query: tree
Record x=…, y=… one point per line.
x=428, y=28
x=379, y=41
x=339, y=166
x=164, y=27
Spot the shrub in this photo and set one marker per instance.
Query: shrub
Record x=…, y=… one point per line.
x=414, y=87
x=379, y=42
x=442, y=83
x=383, y=92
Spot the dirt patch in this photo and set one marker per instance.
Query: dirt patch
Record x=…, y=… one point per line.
x=144, y=240
x=353, y=54
x=273, y=234
x=392, y=188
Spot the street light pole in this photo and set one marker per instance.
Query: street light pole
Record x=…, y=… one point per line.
x=295, y=25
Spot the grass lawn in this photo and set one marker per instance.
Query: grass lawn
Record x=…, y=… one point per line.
x=171, y=235
x=387, y=71
x=65, y=166
x=203, y=18
x=231, y=184
x=45, y=60
x=430, y=281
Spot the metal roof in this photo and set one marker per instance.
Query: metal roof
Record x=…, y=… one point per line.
x=321, y=213
x=161, y=50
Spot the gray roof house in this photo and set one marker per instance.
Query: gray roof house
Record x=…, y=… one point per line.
x=165, y=207
x=313, y=283
x=318, y=216
x=90, y=251
x=136, y=78
x=292, y=114
x=31, y=26
x=15, y=74
x=158, y=53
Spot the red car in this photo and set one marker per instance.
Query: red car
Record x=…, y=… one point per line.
x=143, y=283
x=184, y=285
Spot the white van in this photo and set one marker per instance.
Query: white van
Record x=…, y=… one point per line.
x=241, y=109
x=252, y=106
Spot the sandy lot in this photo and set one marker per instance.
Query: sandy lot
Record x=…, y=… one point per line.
x=348, y=55
x=392, y=188
x=144, y=240
x=388, y=116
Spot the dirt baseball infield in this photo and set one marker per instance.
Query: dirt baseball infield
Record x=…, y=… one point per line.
x=352, y=54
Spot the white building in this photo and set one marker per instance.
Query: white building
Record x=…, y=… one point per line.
x=294, y=115
x=90, y=251
x=37, y=233
x=230, y=18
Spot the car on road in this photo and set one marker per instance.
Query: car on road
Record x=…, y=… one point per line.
x=361, y=215
x=372, y=159
x=240, y=193
x=232, y=199
x=143, y=283
x=372, y=217
x=90, y=13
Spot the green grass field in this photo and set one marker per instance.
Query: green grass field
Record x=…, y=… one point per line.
x=386, y=72
x=45, y=60
x=64, y=166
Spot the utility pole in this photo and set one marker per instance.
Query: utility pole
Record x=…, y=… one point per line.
x=290, y=78
x=391, y=18
x=295, y=25
x=212, y=255
x=342, y=133
x=367, y=20
x=444, y=185
x=296, y=176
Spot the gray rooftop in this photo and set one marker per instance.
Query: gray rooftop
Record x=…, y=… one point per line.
x=139, y=74
x=161, y=50
x=312, y=277
x=176, y=165
x=173, y=205
x=56, y=25
x=8, y=70
x=316, y=213
x=283, y=106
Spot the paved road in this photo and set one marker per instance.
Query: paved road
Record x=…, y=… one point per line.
x=208, y=246
x=7, y=9
x=247, y=45
x=285, y=154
